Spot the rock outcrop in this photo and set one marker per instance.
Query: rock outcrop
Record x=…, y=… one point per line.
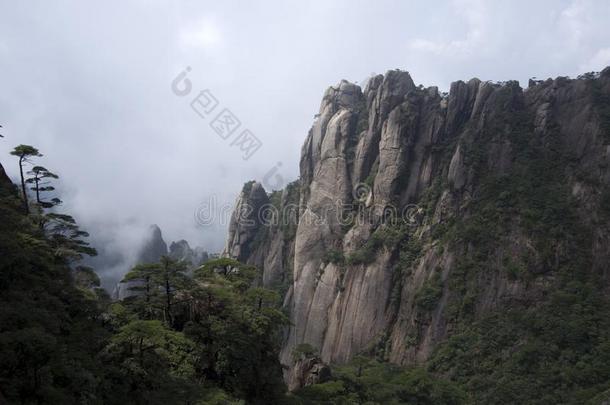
x=357, y=282
x=151, y=252
x=181, y=251
x=261, y=231
x=6, y=185
x=308, y=371
x=154, y=247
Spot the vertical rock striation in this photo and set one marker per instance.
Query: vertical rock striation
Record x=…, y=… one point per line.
x=399, y=288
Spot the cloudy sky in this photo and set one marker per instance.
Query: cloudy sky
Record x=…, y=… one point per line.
x=89, y=84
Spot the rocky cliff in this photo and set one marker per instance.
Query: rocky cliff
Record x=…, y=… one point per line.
x=154, y=247
x=181, y=251
x=5, y=183
x=151, y=252
x=419, y=213
x=262, y=231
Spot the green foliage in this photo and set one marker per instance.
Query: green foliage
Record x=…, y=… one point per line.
x=601, y=102
x=303, y=351
x=237, y=329
x=233, y=328
x=240, y=275
x=62, y=231
x=334, y=256
x=24, y=151
x=387, y=236
x=409, y=252
x=159, y=283
x=156, y=364
x=515, y=269
x=430, y=293
x=149, y=363
x=370, y=179
x=275, y=197
x=289, y=210
x=551, y=345
x=49, y=329
x=213, y=339
x=366, y=254
x=143, y=341
x=40, y=184
x=362, y=123
x=65, y=236
x=560, y=345
x=86, y=279
x=371, y=382
x=248, y=187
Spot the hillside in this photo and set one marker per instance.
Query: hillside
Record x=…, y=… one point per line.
x=468, y=233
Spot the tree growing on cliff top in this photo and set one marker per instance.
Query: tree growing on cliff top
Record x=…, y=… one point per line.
x=159, y=284
x=24, y=152
x=40, y=183
x=65, y=236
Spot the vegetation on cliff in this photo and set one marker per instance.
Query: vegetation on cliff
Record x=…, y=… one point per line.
x=209, y=339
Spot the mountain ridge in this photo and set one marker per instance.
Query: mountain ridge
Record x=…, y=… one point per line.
x=509, y=187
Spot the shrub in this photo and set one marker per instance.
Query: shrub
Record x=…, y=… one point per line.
x=430, y=293
x=303, y=351
x=334, y=256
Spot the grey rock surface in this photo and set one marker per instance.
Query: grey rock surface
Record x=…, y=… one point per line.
x=308, y=371
x=151, y=252
x=181, y=251
x=154, y=247
x=412, y=145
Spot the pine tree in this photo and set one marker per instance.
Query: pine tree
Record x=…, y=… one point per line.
x=24, y=152
x=66, y=237
x=40, y=185
x=159, y=282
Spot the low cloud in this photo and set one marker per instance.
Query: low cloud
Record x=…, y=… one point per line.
x=89, y=85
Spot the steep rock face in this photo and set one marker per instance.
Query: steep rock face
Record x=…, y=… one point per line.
x=436, y=163
x=308, y=371
x=261, y=231
x=181, y=251
x=151, y=252
x=6, y=185
x=245, y=224
x=154, y=247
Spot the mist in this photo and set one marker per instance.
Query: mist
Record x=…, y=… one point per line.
x=91, y=87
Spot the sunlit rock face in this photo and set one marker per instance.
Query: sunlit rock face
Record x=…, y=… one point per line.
x=359, y=286
x=261, y=231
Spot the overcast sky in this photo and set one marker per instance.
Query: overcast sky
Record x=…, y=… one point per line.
x=90, y=86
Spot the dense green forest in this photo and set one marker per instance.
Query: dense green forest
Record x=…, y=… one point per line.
x=212, y=336
x=209, y=338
